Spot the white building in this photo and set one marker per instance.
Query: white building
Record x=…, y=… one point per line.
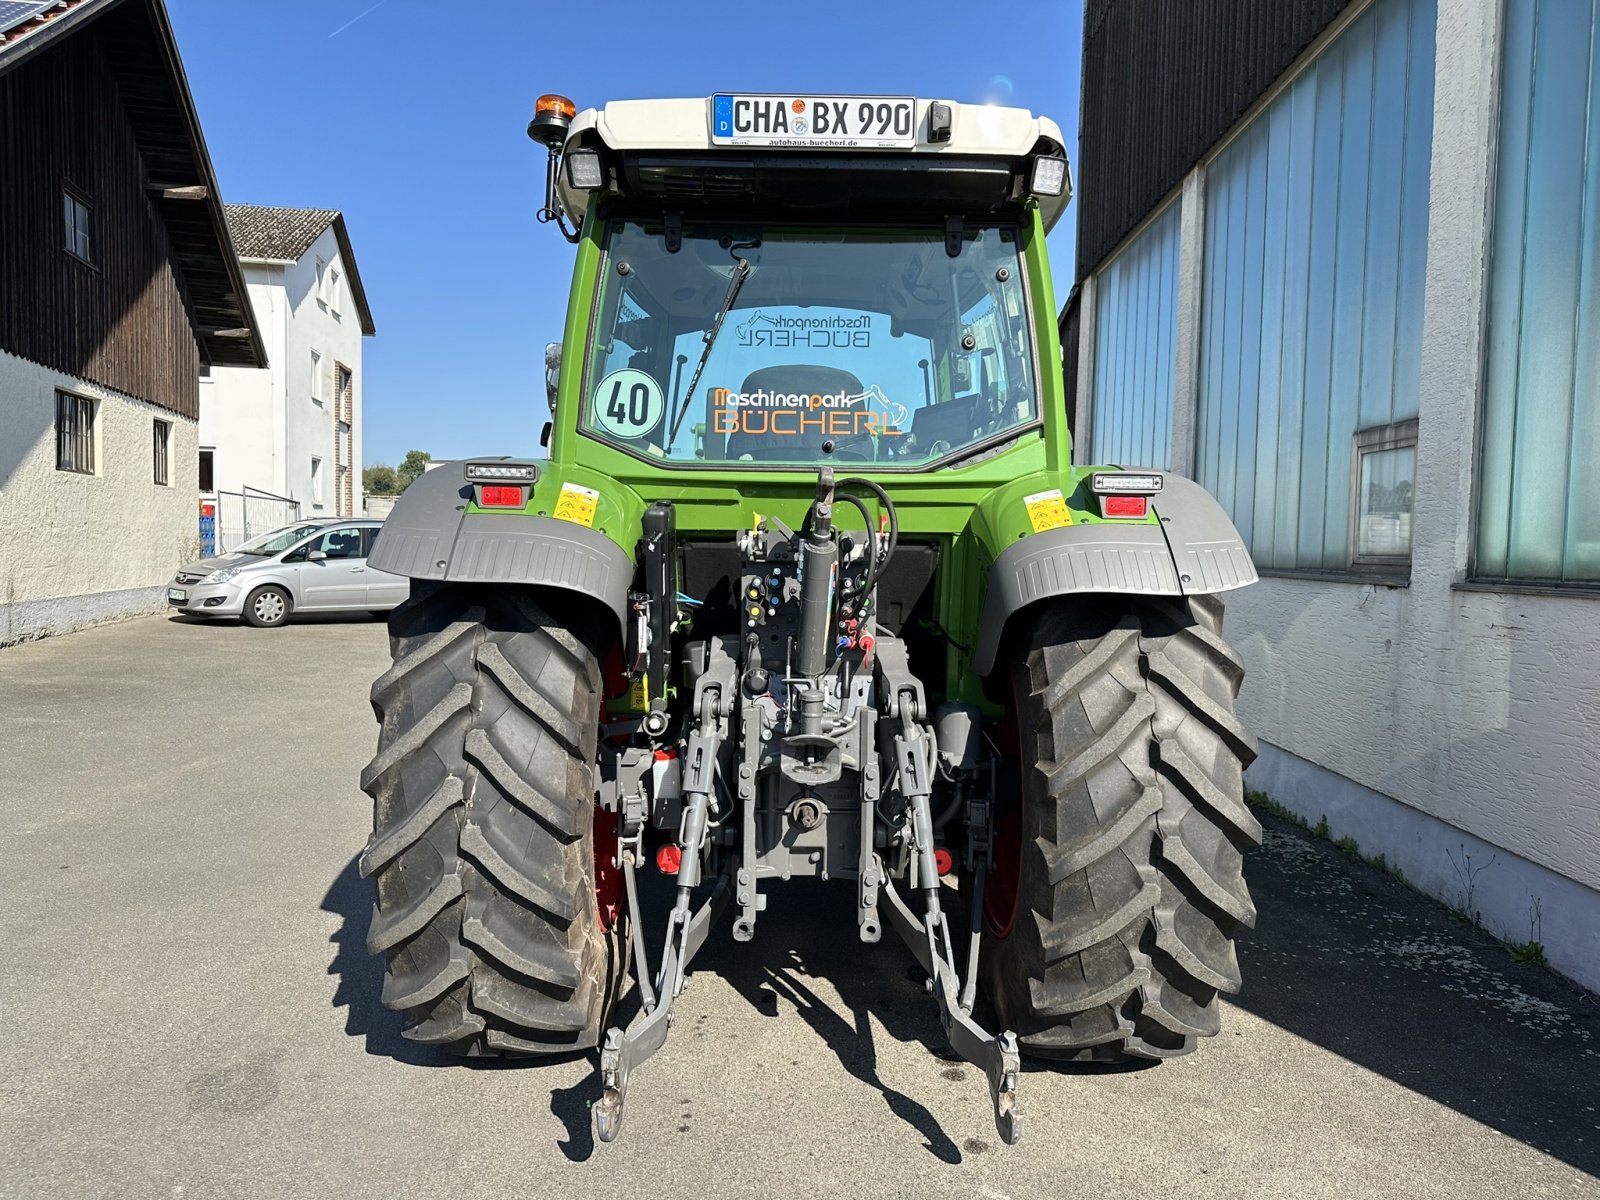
x=1363, y=308
x=286, y=442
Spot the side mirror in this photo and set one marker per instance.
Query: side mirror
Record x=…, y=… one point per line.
x=552, y=373
x=544, y=434
x=317, y=556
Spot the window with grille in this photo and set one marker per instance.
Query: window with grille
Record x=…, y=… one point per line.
x=74, y=433
x=76, y=212
x=163, y=453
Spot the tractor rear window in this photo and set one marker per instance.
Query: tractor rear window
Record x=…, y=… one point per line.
x=869, y=345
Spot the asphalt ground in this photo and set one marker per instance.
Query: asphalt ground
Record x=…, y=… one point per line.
x=188, y=1008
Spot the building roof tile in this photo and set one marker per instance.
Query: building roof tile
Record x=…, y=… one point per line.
x=285, y=234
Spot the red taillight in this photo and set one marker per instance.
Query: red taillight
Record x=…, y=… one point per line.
x=669, y=858
x=500, y=496
x=1125, y=506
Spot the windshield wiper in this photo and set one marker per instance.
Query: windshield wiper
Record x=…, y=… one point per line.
x=740, y=274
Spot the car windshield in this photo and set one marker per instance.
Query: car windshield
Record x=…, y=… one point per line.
x=277, y=541
x=868, y=345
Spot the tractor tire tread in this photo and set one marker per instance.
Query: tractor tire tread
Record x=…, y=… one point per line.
x=483, y=802
x=1134, y=831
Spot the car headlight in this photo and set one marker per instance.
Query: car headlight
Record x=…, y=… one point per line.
x=222, y=576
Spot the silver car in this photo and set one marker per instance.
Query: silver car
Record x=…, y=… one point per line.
x=311, y=566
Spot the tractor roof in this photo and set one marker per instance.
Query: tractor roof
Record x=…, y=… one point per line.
x=648, y=140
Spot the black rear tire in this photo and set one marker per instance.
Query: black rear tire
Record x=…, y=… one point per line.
x=484, y=826
x=1127, y=882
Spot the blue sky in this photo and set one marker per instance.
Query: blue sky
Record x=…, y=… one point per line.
x=409, y=115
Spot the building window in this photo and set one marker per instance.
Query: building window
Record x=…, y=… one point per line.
x=1385, y=479
x=75, y=433
x=316, y=481
x=1316, y=229
x=207, y=482
x=1538, y=499
x=333, y=290
x=163, y=453
x=322, y=282
x=76, y=211
x=316, y=378
x=1136, y=326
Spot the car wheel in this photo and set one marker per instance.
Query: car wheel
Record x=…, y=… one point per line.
x=266, y=607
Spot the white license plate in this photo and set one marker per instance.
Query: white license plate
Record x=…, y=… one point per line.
x=816, y=122
x=177, y=594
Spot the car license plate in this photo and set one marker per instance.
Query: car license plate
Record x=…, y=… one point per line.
x=177, y=594
x=814, y=122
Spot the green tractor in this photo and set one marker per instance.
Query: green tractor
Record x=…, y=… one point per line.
x=808, y=586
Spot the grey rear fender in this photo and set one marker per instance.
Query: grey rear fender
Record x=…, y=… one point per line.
x=430, y=535
x=1194, y=551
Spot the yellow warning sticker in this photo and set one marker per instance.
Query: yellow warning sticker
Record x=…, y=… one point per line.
x=639, y=694
x=577, y=504
x=1047, y=510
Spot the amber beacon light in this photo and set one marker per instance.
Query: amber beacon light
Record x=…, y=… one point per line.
x=552, y=117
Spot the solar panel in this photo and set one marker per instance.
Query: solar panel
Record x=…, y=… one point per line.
x=15, y=12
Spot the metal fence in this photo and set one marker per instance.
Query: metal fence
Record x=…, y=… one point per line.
x=249, y=513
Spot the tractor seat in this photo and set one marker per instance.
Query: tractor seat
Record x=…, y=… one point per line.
x=775, y=432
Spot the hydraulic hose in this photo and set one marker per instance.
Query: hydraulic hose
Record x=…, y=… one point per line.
x=872, y=541
x=882, y=564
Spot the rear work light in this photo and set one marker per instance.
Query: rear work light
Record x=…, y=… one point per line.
x=584, y=171
x=1125, y=494
x=1127, y=483
x=496, y=472
x=499, y=495
x=1049, y=176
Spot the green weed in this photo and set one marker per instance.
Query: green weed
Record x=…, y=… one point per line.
x=1268, y=805
x=1529, y=954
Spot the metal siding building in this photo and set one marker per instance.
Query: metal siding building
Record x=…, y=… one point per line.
x=1340, y=262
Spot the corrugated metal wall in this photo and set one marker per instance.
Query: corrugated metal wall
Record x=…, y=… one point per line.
x=1311, y=310
x=1163, y=80
x=1135, y=331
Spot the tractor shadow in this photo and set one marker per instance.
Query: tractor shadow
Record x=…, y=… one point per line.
x=806, y=940
x=359, y=990
x=360, y=975
x=810, y=937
